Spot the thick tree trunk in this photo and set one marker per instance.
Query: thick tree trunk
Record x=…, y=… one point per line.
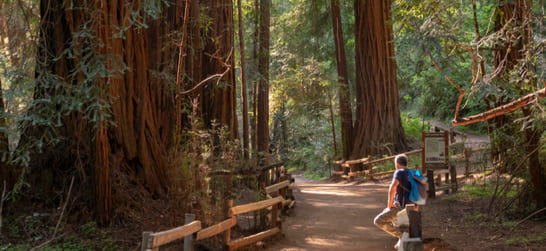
x=515, y=18
x=536, y=167
x=378, y=128
x=263, y=87
x=343, y=78
x=218, y=102
x=137, y=101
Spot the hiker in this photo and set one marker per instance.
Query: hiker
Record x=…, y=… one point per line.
x=398, y=197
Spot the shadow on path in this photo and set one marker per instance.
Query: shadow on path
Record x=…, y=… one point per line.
x=335, y=216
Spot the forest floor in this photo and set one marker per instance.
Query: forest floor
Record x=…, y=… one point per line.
x=339, y=215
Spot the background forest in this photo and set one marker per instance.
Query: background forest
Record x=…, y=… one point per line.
x=107, y=105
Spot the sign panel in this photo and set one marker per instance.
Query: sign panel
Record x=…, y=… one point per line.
x=435, y=147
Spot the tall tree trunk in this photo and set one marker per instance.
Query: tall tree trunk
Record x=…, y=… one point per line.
x=254, y=88
x=343, y=79
x=515, y=18
x=536, y=167
x=263, y=87
x=244, y=96
x=219, y=101
x=378, y=128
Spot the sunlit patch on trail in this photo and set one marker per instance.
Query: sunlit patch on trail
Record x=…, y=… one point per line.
x=323, y=242
x=337, y=193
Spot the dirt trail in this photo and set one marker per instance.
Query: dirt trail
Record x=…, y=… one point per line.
x=339, y=215
x=335, y=216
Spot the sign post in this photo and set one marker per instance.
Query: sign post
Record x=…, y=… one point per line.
x=435, y=150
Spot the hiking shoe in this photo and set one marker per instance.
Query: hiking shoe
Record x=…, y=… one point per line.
x=397, y=245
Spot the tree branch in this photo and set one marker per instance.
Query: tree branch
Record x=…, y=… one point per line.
x=501, y=110
x=209, y=78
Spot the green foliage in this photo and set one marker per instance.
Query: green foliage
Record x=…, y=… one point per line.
x=303, y=77
x=413, y=127
x=34, y=231
x=527, y=239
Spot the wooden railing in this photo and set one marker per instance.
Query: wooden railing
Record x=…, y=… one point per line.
x=280, y=196
x=366, y=166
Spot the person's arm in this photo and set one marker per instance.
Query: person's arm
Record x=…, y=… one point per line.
x=422, y=180
x=392, y=192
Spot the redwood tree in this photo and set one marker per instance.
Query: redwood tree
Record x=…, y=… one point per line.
x=378, y=128
x=514, y=20
x=343, y=79
x=262, y=127
x=105, y=80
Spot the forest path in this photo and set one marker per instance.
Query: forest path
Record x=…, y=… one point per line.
x=335, y=216
x=339, y=215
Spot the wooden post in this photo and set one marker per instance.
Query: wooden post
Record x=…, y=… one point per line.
x=453, y=174
x=467, y=153
x=423, y=135
x=188, y=239
x=274, y=215
x=447, y=182
x=414, y=216
x=431, y=186
x=415, y=240
x=228, y=231
x=146, y=241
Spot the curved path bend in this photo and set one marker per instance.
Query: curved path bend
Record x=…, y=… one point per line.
x=335, y=216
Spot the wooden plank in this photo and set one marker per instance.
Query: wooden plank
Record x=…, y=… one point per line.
x=216, y=229
x=254, y=206
x=356, y=161
x=161, y=238
x=276, y=187
x=392, y=157
x=383, y=173
x=245, y=241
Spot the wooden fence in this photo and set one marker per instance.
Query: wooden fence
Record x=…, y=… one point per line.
x=280, y=196
x=364, y=166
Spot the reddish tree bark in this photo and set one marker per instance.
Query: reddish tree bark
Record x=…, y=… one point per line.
x=138, y=138
x=343, y=79
x=262, y=128
x=378, y=128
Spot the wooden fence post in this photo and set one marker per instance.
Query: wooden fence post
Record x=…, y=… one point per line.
x=415, y=241
x=431, y=185
x=188, y=240
x=146, y=241
x=228, y=231
x=454, y=182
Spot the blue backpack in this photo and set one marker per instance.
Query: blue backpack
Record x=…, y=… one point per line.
x=417, y=193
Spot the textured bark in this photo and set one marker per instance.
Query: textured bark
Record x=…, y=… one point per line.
x=141, y=98
x=506, y=57
x=218, y=102
x=343, y=79
x=378, y=128
x=263, y=86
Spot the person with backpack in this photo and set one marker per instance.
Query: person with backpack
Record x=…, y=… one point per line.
x=398, y=197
